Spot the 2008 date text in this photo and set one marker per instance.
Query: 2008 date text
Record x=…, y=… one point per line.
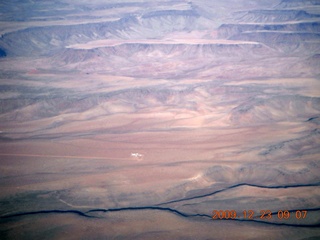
x=263, y=214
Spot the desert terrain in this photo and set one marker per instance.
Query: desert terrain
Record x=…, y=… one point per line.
x=146, y=119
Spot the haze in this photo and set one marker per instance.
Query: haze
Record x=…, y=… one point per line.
x=138, y=119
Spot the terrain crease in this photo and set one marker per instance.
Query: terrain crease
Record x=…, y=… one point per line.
x=171, y=210
x=239, y=185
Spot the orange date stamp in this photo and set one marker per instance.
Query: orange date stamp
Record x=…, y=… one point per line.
x=263, y=214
